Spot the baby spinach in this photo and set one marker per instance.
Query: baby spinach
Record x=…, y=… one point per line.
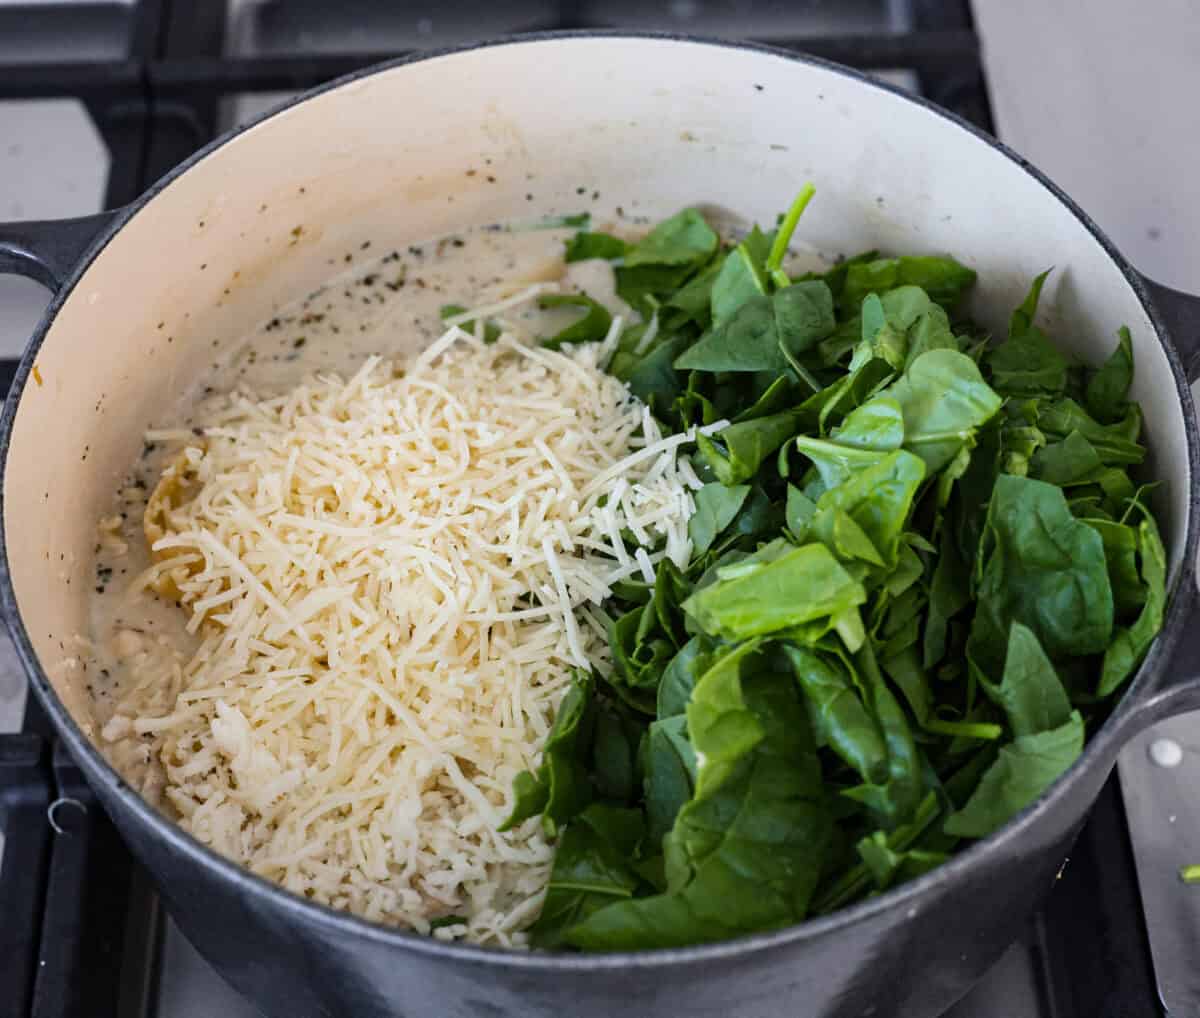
x=800, y=585
x=716, y=506
x=585, y=245
x=1025, y=768
x=1027, y=364
x=561, y=787
x=746, y=852
x=1043, y=568
x=591, y=328
x=1108, y=387
x=765, y=333
x=684, y=239
x=920, y=571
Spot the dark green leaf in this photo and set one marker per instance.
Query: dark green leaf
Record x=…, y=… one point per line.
x=746, y=852
x=591, y=870
x=585, y=245
x=694, y=299
x=1025, y=768
x=1072, y=461
x=735, y=453
x=739, y=280
x=684, y=239
x=893, y=801
x=1032, y=694
x=716, y=506
x=670, y=775
x=646, y=287
x=842, y=721
x=1108, y=388
x=1027, y=364
x=681, y=676
x=763, y=332
x=1129, y=646
x=944, y=279
x=529, y=799
x=614, y=751
x=1044, y=569
x=563, y=774
x=591, y=328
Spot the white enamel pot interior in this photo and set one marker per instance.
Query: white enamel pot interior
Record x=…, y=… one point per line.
x=512, y=130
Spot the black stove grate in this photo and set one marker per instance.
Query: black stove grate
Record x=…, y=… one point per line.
x=81, y=930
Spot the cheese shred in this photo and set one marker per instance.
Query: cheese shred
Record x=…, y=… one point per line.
x=390, y=578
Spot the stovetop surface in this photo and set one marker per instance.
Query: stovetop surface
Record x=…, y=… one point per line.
x=97, y=100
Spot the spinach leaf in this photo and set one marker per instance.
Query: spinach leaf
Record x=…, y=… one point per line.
x=1027, y=364
x=647, y=287
x=585, y=245
x=591, y=328
x=716, y=506
x=877, y=425
x=1129, y=646
x=739, y=280
x=1114, y=443
x=800, y=585
x=614, y=756
x=747, y=851
x=1108, y=388
x=684, y=239
x=561, y=787
x=670, y=775
x=591, y=870
x=1072, y=461
x=645, y=639
x=840, y=718
x=878, y=498
x=1043, y=568
x=800, y=512
x=1121, y=554
x=1031, y=694
x=765, y=333
x=944, y=279
x=681, y=676
x=735, y=453
x=1025, y=768
x=944, y=399
x=653, y=380
x=695, y=298
x=894, y=801
x=949, y=594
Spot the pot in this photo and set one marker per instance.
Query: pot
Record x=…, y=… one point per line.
x=650, y=123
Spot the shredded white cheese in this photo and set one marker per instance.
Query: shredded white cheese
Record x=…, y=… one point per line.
x=391, y=577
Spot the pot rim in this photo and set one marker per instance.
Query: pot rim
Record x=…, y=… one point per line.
x=1103, y=745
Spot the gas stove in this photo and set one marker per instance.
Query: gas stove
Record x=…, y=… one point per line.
x=97, y=100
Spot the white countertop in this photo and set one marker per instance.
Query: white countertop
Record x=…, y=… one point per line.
x=1103, y=96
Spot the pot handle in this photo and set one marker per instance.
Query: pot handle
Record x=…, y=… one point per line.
x=48, y=251
x=1181, y=313
x=1159, y=768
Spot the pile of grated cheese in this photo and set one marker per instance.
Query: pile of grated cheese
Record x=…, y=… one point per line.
x=390, y=578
